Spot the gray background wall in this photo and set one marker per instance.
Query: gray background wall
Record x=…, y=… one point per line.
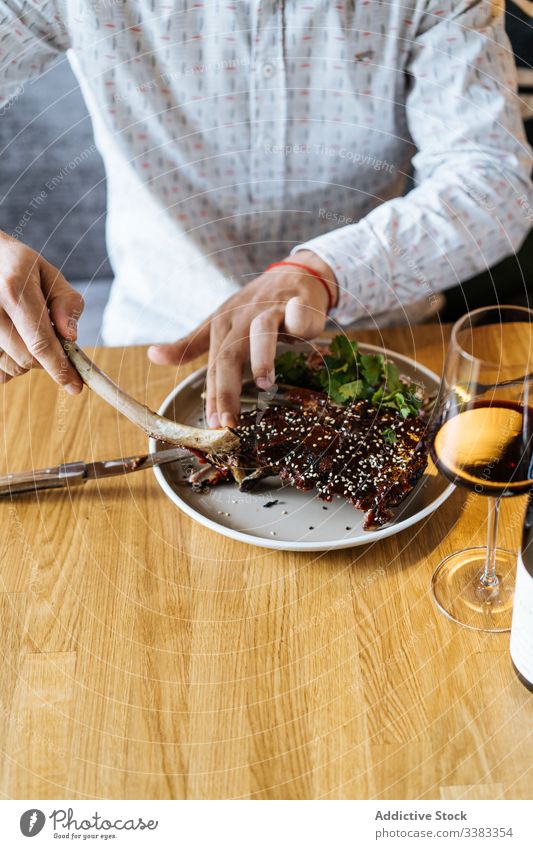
x=46, y=137
x=52, y=185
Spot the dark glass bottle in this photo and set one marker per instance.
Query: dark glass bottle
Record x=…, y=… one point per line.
x=522, y=627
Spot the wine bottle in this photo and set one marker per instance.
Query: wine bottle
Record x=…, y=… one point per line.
x=522, y=627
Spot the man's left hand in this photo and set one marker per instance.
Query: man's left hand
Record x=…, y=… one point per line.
x=246, y=328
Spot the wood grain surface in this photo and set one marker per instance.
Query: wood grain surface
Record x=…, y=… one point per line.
x=144, y=656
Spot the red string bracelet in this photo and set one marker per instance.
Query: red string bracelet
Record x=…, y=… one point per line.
x=309, y=270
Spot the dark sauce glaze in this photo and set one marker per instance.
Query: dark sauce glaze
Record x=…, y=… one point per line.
x=339, y=451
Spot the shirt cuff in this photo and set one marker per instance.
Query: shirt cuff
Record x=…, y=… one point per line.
x=361, y=267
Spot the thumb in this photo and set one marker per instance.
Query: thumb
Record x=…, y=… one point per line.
x=182, y=351
x=65, y=304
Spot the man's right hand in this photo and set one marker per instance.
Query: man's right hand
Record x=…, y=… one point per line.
x=33, y=294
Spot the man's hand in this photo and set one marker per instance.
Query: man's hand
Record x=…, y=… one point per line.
x=246, y=327
x=33, y=294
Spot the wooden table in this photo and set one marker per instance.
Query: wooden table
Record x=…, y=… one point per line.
x=146, y=657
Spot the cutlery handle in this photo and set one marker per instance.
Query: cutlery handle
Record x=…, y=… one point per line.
x=65, y=475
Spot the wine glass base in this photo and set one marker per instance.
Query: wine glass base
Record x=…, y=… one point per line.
x=460, y=596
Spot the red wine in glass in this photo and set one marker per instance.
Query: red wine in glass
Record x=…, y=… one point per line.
x=483, y=440
x=488, y=448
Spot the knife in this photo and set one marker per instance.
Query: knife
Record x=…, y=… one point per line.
x=72, y=474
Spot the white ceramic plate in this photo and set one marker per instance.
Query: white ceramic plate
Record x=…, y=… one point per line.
x=299, y=521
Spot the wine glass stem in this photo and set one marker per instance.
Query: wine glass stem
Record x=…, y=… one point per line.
x=489, y=577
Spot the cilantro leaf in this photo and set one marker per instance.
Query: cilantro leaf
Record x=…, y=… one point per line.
x=352, y=391
x=389, y=436
x=343, y=349
x=332, y=386
x=392, y=376
x=349, y=375
x=292, y=368
x=372, y=367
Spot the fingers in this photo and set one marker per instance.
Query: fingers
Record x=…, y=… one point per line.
x=182, y=351
x=263, y=340
x=302, y=320
x=299, y=319
x=224, y=371
x=246, y=328
x=219, y=333
x=64, y=303
x=229, y=369
x=30, y=317
x=13, y=345
x=33, y=294
x=9, y=367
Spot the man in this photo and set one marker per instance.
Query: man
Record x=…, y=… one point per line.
x=519, y=26
x=239, y=132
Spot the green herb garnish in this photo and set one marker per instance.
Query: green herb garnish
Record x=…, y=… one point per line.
x=292, y=368
x=389, y=436
x=349, y=375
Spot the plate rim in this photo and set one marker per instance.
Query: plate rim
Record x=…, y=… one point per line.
x=287, y=545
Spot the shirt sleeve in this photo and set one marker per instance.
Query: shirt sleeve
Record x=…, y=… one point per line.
x=472, y=200
x=32, y=35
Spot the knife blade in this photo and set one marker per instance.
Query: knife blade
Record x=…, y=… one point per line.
x=76, y=473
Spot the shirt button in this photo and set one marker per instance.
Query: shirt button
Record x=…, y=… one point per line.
x=268, y=69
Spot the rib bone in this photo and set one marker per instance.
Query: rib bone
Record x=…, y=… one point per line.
x=216, y=444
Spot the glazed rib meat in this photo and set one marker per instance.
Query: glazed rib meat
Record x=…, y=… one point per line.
x=372, y=457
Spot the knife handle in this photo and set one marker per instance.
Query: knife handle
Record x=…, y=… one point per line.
x=65, y=475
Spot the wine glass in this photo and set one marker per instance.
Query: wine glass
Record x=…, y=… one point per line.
x=483, y=440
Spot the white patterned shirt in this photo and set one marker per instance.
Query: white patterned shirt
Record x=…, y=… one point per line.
x=234, y=131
